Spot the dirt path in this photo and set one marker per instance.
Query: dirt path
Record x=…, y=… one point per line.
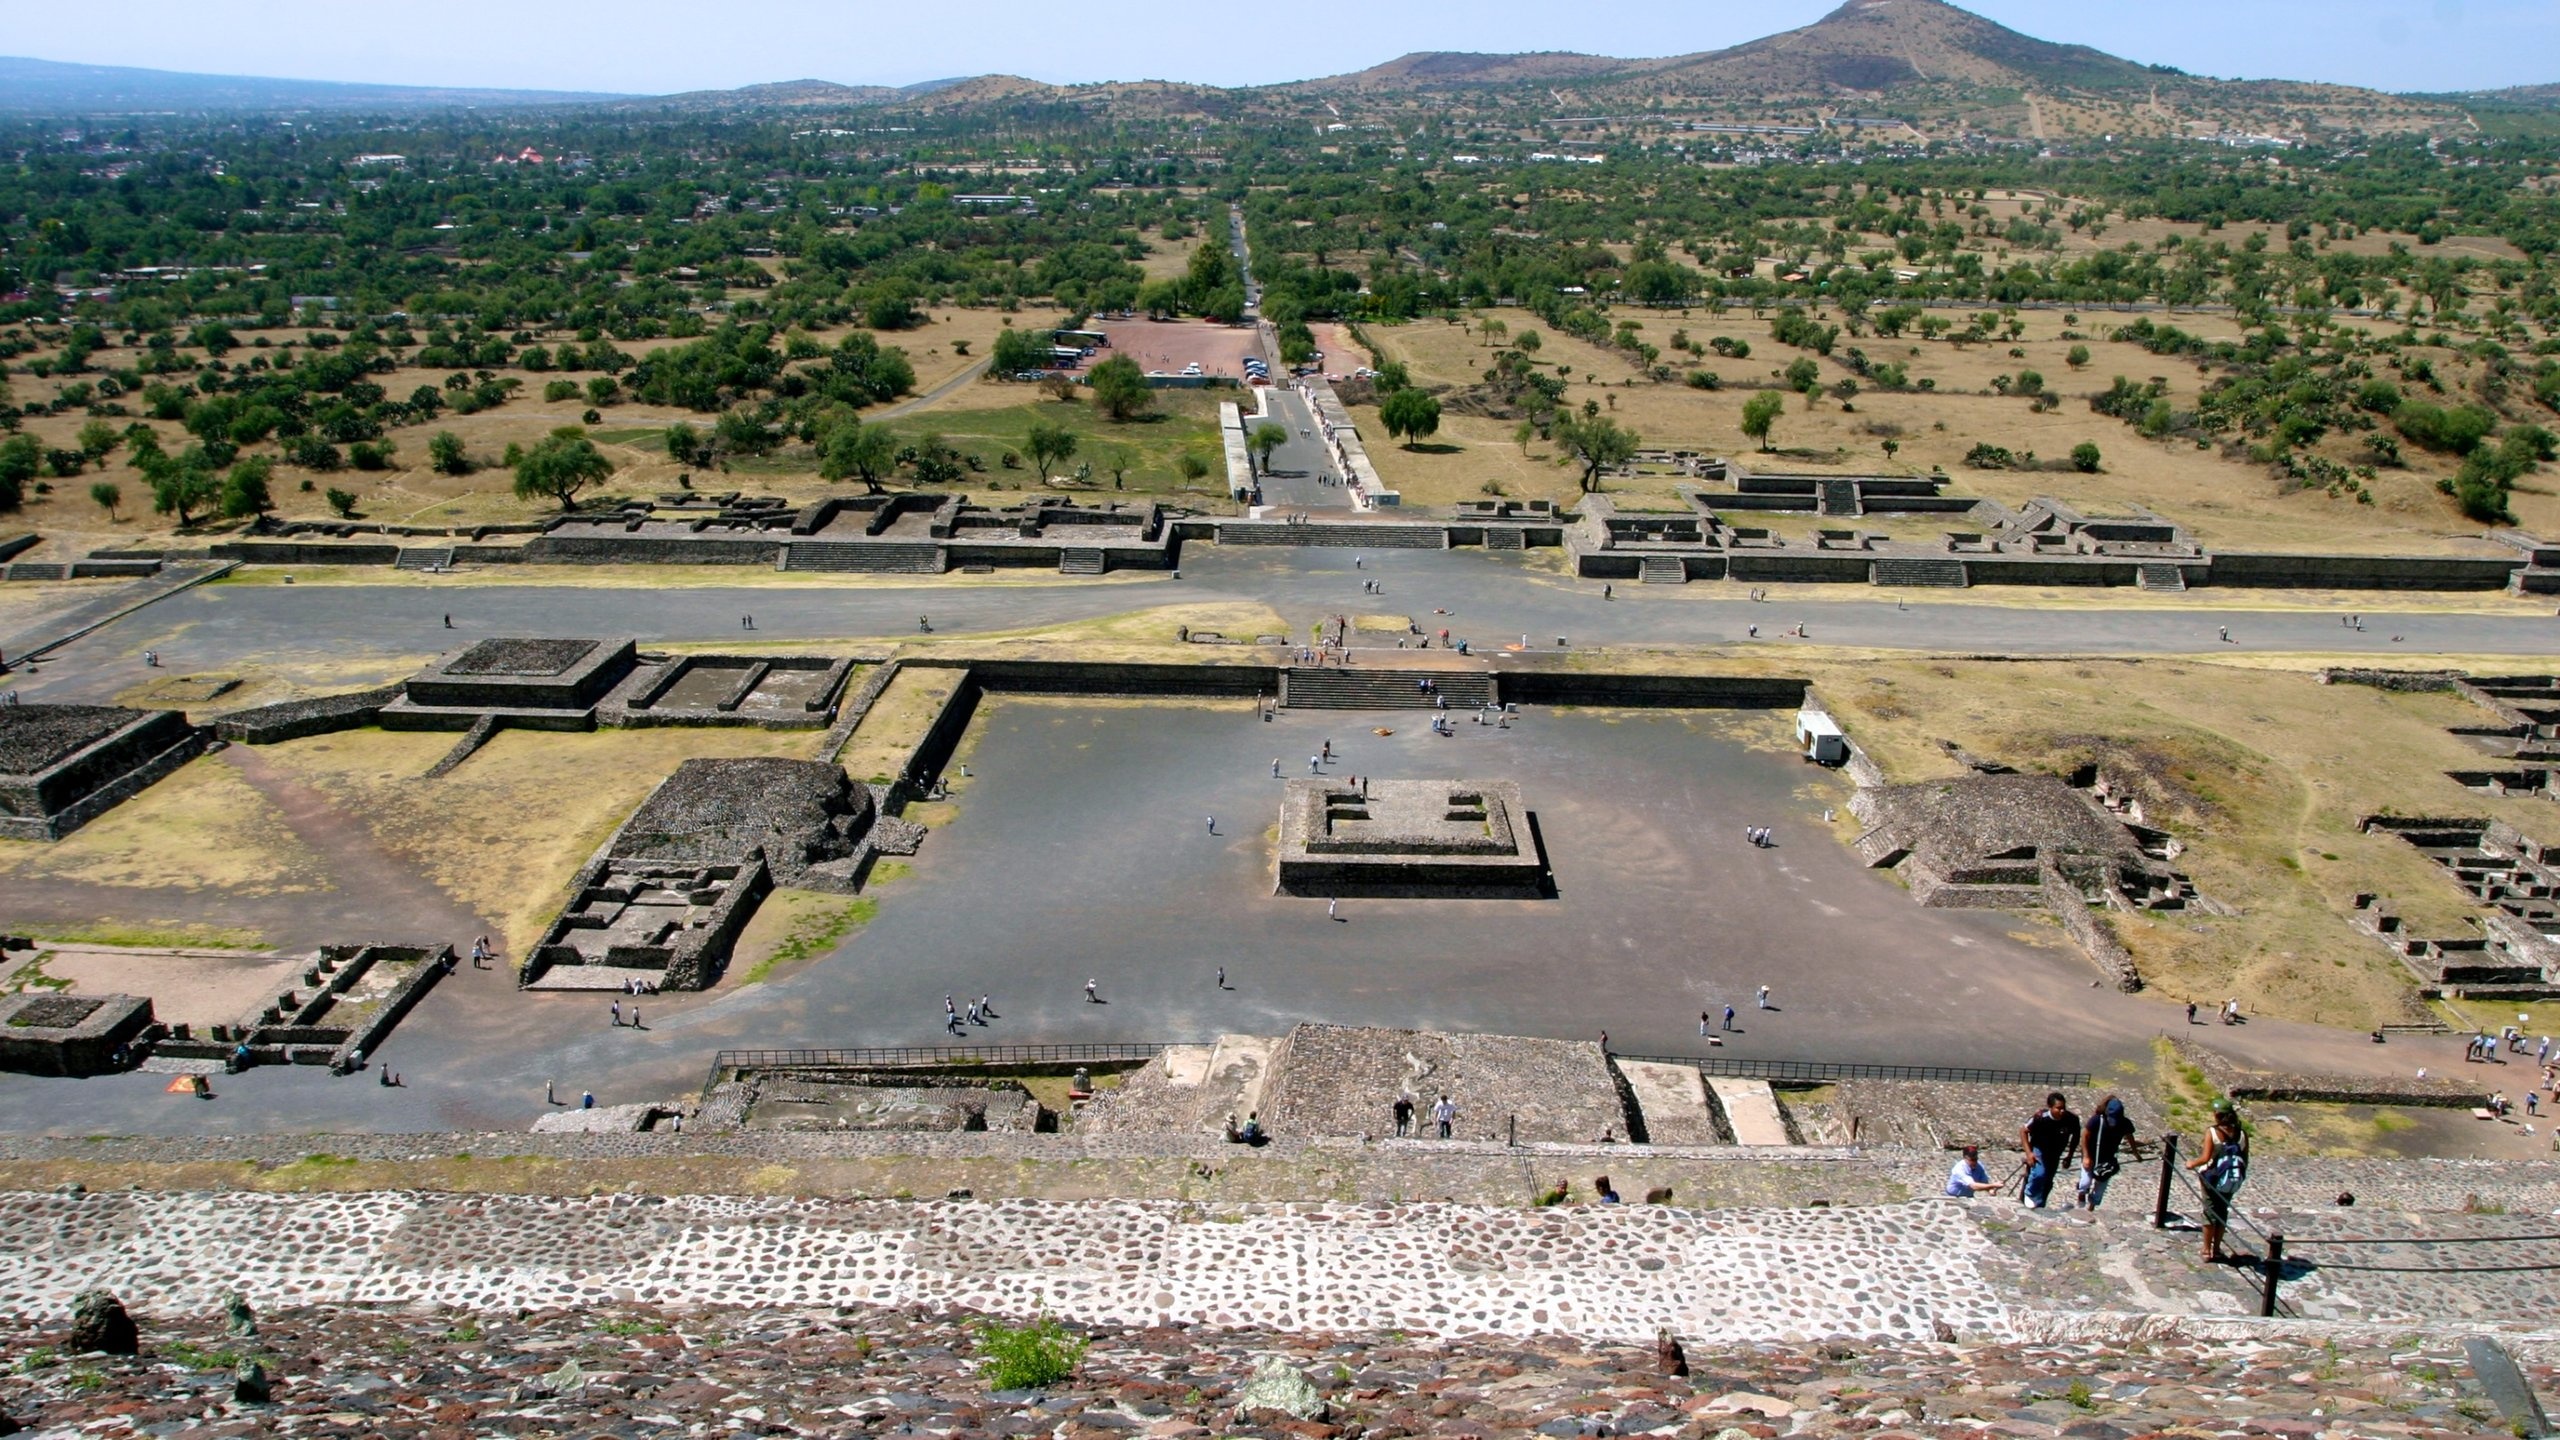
x=938, y=392
x=378, y=896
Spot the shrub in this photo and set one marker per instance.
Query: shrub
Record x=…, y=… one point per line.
x=1026, y=1357
x=2085, y=457
x=1987, y=456
x=1705, y=380
x=341, y=502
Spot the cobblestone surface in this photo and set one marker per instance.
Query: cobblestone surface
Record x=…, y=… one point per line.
x=1605, y=1273
x=634, y=1371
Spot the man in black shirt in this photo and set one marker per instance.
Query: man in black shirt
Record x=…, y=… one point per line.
x=2051, y=1139
x=2100, y=1140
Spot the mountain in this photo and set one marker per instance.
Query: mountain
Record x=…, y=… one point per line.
x=1434, y=69
x=46, y=87
x=1876, y=45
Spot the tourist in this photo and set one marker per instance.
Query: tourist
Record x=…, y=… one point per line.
x=635, y=1019
x=1444, y=1114
x=1253, y=1132
x=1705, y=1022
x=1315, y=765
x=1091, y=992
x=1728, y=1017
x=1234, y=1135
x=1968, y=1179
x=1764, y=997
x=1333, y=909
x=2049, y=1138
x=2100, y=1141
x=1607, y=1192
x=1404, y=1114
x=2222, y=1168
x=987, y=1007
x=617, y=1012
x=1608, y=592
x=2231, y=1011
x=586, y=1099
x=2191, y=1012
x=1213, y=824
x=1275, y=767
x=448, y=620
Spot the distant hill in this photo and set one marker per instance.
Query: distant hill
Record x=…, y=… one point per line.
x=1430, y=69
x=47, y=87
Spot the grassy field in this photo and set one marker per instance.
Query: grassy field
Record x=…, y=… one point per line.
x=506, y=832
x=992, y=421
x=896, y=722
x=2225, y=502
x=203, y=828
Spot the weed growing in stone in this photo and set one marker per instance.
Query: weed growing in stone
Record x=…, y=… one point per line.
x=1026, y=1357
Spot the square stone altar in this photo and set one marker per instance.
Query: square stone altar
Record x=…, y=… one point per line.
x=522, y=674
x=1410, y=838
x=62, y=766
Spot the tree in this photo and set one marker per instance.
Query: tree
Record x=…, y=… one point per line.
x=1392, y=376
x=688, y=446
x=866, y=451
x=181, y=484
x=741, y=433
x=1760, y=413
x=1410, y=414
x=446, y=455
x=245, y=490
x=1120, y=388
x=1528, y=342
x=1015, y=352
x=1526, y=430
x=562, y=464
x=2078, y=359
x=20, y=458
x=1596, y=443
x=1119, y=460
x=98, y=439
x=1804, y=376
x=108, y=496
x=1047, y=445
x=342, y=503
x=1263, y=439
x=2085, y=457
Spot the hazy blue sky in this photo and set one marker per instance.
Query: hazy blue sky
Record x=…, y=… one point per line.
x=656, y=46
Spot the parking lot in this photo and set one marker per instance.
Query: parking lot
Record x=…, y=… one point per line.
x=1169, y=345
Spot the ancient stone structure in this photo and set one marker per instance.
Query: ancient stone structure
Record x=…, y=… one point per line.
x=667, y=896
x=2514, y=879
x=1344, y=1080
x=62, y=766
x=532, y=683
x=47, y=1034
x=2010, y=841
x=1407, y=837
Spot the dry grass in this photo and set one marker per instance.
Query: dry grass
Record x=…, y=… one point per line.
x=506, y=832
x=1149, y=634
x=2264, y=773
x=896, y=722
x=204, y=828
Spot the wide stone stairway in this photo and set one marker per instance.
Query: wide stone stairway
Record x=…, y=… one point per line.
x=1357, y=687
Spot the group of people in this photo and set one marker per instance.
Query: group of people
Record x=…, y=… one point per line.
x=1760, y=836
x=2488, y=1049
x=2094, y=1150
x=980, y=1011
x=1444, y=1115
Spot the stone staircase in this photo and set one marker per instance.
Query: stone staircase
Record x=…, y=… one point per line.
x=1082, y=560
x=1360, y=688
x=1942, y=574
x=1840, y=497
x=1503, y=537
x=424, y=557
x=2159, y=577
x=1369, y=537
x=1662, y=570
x=865, y=557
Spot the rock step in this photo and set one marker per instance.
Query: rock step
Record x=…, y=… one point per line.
x=1371, y=537
x=1662, y=570
x=424, y=557
x=2159, y=577
x=1082, y=560
x=1358, y=688
x=865, y=557
x=1840, y=497
x=1943, y=574
x=1504, y=537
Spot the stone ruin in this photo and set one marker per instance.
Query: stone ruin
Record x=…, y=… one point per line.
x=1410, y=838
x=664, y=901
x=70, y=1035
x=62, y=766
x=2025, y=842
x=2515, y=954
x=532, y=683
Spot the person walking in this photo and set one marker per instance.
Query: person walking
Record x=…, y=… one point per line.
x=1333, y=909
x=617, y=1013
x=1275, y=767
x=1092, y=994
x=1404, y=1115
x=1705, y=1022
x=2191, y=1012
x=1213, y=824
x=1764, y=997
x=1444, y=1115
x=2101, y=1142
x=1222, y=977
x=2049, y=1137
x=2222, y=1167
x=1728, y=1017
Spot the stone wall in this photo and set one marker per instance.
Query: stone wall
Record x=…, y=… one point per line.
x=294, y=719
x=1701, y=692
x=2362, y=572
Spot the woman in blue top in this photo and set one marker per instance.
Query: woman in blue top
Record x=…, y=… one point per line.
x=2222, y=1169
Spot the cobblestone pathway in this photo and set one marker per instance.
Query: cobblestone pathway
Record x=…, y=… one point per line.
x=1600, y=1273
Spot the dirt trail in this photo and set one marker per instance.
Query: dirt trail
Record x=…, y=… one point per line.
x=377, y=895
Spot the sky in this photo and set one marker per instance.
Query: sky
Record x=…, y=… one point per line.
x=663, y=46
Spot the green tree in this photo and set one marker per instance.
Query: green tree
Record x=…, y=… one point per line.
x=182, y=484
x=1119, y=460
x=1392, y=377
x=1120, y=388
x=1263, y=439
x=741, y=433
x=563, y=463
x=1804, y=376
x=867, y=451
x=98, y=439
x=20, y=458
x=2078, y=359
x=2085, y=457
x=1047, y=445
x=107, y=495
x=1760, y=415
x=245, y=490
x=1595, y=443
x=1017, y=351
x=342, y=503
x=1410, y=414
x=1525, y=431
x=446, y=455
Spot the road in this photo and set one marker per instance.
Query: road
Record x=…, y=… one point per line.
x=1489, y=598
x=1301, y=474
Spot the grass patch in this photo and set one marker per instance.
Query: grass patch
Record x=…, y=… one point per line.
x=897, y=721
x=143, y=937
x=196, y=1357
x=796, y=925
x=1185, y=422
x=1027, y=1357
x=204, y=828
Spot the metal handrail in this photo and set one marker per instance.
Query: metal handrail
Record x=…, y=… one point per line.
x=1748, y=1069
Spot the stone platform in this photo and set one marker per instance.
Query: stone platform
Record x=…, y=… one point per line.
x=1409, y=838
